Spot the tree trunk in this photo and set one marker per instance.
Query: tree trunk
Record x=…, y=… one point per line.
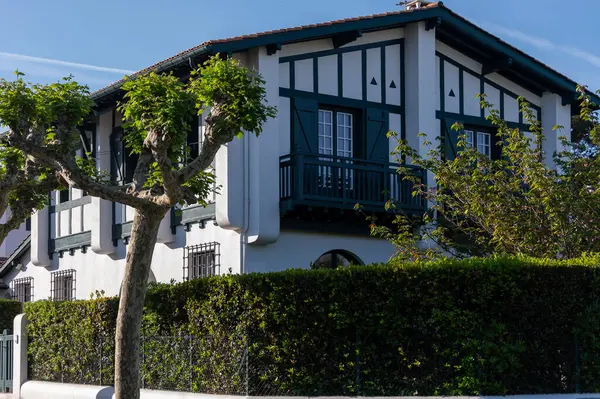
x=133, y=293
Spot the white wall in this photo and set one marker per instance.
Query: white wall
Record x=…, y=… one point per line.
x=297, y=249
x=54, y=390
x=105, y=272
x=13, y=239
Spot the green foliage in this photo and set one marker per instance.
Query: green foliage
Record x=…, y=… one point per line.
x=236, y=92
x=471, y=327
x=160, y=103
x=231, y=96
x=513, y=203
x=72, y=341
x=8, y=310
x=25, y=106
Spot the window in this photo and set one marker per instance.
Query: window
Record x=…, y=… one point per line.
x=481, y=141
x=336, y=139
x=325, y=132
x=62, y=285
x=344, y=134
x=22, y=289
x=484, y=144
x=201, y=260
x=123, y=162
x=64, y=196
x=194, y=139
x=87, y=135
x=469, y=138
x=335, y=259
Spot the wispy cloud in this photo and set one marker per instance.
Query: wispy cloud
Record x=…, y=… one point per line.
x=544, y=44
x=75, y=65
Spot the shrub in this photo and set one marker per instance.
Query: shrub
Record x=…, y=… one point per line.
x=472, y=327
x=8, y=310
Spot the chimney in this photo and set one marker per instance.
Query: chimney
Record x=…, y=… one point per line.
x=415, y=4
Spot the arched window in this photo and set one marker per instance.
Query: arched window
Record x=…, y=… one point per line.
x=336, y=258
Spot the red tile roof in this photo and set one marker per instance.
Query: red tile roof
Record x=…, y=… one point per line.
x=205, y=46
x=266, y=33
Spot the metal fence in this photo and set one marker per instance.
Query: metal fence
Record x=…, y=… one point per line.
x=167, y=362
x=348, y=365
x=6, y=361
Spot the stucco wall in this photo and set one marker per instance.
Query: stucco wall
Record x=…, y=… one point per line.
x=297, y=249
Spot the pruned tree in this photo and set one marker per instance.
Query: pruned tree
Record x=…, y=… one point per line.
x=157, y=112
x=24, y=187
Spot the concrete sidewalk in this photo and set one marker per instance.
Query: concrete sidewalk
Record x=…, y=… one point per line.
x=5, y=395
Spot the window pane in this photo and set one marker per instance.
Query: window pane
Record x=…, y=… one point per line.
x=325, y=132
x=344, y=134
x=484, y=143
x=469, y=138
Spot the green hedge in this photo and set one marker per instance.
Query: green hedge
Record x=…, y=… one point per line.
x=502, y=326
x=8, y=310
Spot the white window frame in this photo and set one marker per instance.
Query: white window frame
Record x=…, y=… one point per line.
x=343, y=123
x=343, y=138
x=469, y=138
x=325, y=132
x=484, y=144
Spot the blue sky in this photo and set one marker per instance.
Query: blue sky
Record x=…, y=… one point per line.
x=100, y=41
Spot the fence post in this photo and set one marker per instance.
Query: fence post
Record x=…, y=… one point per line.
x=357, y=367
x=247, y=366
x=4, y=354
x=19, y=353
x=577, y=366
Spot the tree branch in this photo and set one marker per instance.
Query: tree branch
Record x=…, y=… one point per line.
x=68, y=170
x=159, y=146
x=140, y=175
x=216, y=134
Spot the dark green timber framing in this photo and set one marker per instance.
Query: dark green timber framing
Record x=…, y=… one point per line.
x=185, y=217
x=71, y=204
x=475, y=120
x=448, y=24
x=70, y=243
x=483, y=81
x=339, y=100
x=193, y=214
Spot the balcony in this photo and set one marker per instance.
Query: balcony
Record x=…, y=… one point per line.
x=315, y=180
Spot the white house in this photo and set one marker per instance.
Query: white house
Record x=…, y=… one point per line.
x=287, y=197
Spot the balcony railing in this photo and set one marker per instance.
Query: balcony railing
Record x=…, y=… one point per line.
x=337, y=182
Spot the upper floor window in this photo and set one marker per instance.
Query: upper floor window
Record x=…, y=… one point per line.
x=481, y=141
x=64, y=195
x=194, y=139
x=62, y=285
x=336, y=133
x=22, y=289
x=201, y=260
x=123, y=161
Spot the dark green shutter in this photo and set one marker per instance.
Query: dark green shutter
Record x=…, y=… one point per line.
x=116, y=151
x=450, y=139
x=193, y=137
x=377, y=143
x=305, y=135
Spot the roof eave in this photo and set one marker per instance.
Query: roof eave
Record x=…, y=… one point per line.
x=563, y=85
x=161, y=67
x=299, y=35
x=16, y=255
